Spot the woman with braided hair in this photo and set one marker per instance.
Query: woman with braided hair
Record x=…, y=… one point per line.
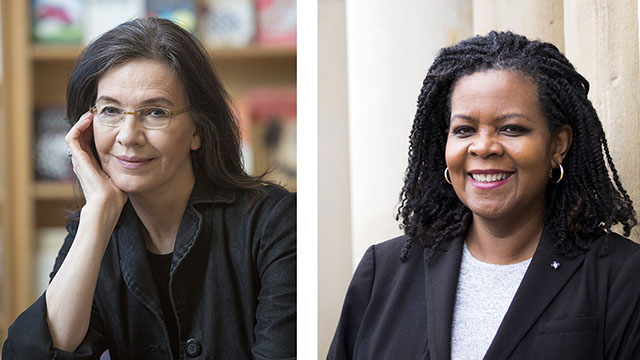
x=508, y=203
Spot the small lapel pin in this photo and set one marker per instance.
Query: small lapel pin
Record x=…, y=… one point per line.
x=555, y=265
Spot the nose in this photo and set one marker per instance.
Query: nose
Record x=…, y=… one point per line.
x=486, y=144
x=130, y=132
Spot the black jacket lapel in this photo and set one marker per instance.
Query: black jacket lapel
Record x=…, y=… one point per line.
x=541, y=283
x=441, y=280
x=135, y=268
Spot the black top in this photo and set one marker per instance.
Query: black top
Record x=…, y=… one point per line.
x=160, y=266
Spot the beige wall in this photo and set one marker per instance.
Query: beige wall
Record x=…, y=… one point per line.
x=602, y=43
x=334, y=205
x=535, y=19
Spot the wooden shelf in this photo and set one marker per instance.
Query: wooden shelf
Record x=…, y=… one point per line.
x=62, y=52
x=253, y=52
x=52, y=190
x=55, y=52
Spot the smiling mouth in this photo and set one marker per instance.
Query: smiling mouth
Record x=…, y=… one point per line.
x=132, y=162
x=490, y=178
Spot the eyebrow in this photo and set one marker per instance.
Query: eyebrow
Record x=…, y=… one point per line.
x=151, y=101
x=499, y=118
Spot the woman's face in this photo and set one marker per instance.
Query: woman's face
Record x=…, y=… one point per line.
x=499, y=148
x=140, y=160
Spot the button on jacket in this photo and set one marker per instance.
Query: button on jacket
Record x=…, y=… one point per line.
x=232, y=285
x=586, y=307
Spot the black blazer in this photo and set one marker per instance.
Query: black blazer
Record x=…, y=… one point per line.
x=587, y=308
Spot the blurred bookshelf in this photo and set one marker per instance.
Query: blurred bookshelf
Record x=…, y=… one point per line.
x=47, y=52
x=34, y=206
x=53, y=190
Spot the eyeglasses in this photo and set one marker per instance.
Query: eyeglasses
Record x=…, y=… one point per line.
x=150, y=118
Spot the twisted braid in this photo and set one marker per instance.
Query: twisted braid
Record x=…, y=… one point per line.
x=590, y=199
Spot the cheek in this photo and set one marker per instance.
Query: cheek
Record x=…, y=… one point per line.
x=174, y=141
x=172, y=145
x=533, y=156
x=454, y=155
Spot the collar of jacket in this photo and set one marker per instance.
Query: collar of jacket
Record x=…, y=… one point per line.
x=128, y=238
x=206, y=192
x=539, y=286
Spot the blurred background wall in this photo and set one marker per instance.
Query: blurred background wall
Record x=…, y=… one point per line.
x=372, y=60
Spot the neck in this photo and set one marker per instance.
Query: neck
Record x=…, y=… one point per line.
x=497, y=241
x=161, y=214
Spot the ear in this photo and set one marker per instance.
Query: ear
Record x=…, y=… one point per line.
x=195, y=142
x=560, y=144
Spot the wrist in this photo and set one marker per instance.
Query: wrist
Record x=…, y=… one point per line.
x=106, y=213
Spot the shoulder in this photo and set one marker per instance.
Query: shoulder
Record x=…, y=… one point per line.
x=615, y=254
x=381, y=262
x=243, y=204
x=388, y=252
x=612, y=261
x=392, y=245
x=380, y=267
x=267, y=197
x=268, y=216
x=613, y=248
x=272, y=202
x=617, y=246
x=384, y=304
x=206, y=194
x=274, y=194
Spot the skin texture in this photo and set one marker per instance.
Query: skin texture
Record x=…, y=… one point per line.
x=132, y=86
x=498, y=126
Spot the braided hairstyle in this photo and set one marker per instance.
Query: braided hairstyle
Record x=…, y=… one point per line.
x=587, y=202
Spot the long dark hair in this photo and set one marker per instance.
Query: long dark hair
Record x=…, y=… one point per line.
x=588, y=201
x=219, y=158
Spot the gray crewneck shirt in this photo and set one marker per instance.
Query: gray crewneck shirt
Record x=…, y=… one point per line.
x=484, y=294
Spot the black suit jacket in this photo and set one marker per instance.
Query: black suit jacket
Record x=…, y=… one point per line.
x=587, y=308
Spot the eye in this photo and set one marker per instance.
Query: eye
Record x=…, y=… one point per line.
x=514, y=130
x=463, y=131
x=110, y=111
x=156, y=112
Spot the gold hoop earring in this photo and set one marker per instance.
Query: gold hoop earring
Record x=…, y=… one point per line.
x=561, y=174
x=446, y=176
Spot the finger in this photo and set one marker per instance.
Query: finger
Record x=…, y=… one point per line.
x=79, y=143
x=81, y=125
x=84, y=141
x=73, y=136
x=87, y=134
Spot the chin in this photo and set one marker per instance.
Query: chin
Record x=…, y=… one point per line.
x=489, y=211
x=130, y=185
x=488, y=215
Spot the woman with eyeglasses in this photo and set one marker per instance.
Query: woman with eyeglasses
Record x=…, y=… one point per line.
x=177, y=251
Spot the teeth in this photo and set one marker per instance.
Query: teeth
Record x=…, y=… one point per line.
x=486, y=178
